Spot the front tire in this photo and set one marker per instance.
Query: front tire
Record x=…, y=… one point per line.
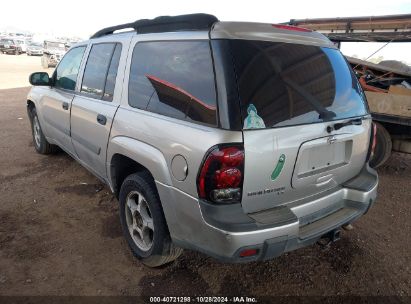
x=41, y=144
x=143, y=223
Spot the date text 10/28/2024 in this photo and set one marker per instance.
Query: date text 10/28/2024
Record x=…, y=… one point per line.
x=199, y=299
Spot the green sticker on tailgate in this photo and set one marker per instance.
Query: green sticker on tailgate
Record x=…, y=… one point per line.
x=279, y=167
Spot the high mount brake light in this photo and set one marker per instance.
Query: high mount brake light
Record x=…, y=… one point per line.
x=220, y=179
x=291, y=28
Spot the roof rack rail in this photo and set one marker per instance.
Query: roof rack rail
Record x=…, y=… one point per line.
x=160, y=24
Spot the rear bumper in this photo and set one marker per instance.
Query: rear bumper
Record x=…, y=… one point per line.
x=225, y=231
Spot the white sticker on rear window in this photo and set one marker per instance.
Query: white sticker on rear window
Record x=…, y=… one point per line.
x=253, y=121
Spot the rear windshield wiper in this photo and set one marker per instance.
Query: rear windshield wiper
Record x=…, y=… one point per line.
x=324, y=113
x=356, y=121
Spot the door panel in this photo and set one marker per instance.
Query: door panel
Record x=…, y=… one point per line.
x=89, y=136
x=94, y=108
x=56, y=103
x=56, y=113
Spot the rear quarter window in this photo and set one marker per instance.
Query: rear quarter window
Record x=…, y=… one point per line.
x=175, y=79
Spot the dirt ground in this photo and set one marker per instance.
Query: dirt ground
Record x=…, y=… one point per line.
x=15, y=70
x=60, y=235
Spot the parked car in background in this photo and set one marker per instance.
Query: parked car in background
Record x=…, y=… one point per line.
x=53, y=51
x=239, y=140
x=34, y=49
x=10, y=46
x=22, y=43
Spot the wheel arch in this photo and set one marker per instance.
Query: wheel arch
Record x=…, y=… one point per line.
x=30, y=106
x=127, y=155
x=122, y=166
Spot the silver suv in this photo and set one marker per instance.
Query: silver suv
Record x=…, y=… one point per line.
x=239, y=140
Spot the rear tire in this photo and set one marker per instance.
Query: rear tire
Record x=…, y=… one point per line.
x=383, y=147
x=140, y=209
x=40, y=142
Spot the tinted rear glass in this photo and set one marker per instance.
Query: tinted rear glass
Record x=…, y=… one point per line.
x=282, y=84
x=174, y=78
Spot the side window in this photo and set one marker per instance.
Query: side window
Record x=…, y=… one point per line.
x=101, y=71
x=112, y=74
x=67, y=70
x=175, y=79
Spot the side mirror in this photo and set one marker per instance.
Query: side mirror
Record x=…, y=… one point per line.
x=39, y=79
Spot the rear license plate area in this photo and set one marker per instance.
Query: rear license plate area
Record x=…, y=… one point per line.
x=318, y=158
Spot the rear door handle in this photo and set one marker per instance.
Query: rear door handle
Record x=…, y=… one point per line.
x=65, y=105
x=101, y=119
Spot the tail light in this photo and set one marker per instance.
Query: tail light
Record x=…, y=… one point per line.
x=373, y=141
x=291, y=28
x=220, y=179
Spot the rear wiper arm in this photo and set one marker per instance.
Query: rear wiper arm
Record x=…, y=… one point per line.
x=337, y=126
x=324, y=113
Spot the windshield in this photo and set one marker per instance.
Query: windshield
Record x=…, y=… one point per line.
x=283, y=84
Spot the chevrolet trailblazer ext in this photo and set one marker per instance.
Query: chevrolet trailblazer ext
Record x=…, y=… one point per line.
x=239, y=140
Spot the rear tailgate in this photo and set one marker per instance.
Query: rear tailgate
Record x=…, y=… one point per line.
x=287, y=164
x=293, y=97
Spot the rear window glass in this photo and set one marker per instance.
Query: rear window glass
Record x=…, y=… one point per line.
x=174, y=78
x=283, y=84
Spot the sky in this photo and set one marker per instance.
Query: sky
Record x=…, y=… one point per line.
x=82, y=18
